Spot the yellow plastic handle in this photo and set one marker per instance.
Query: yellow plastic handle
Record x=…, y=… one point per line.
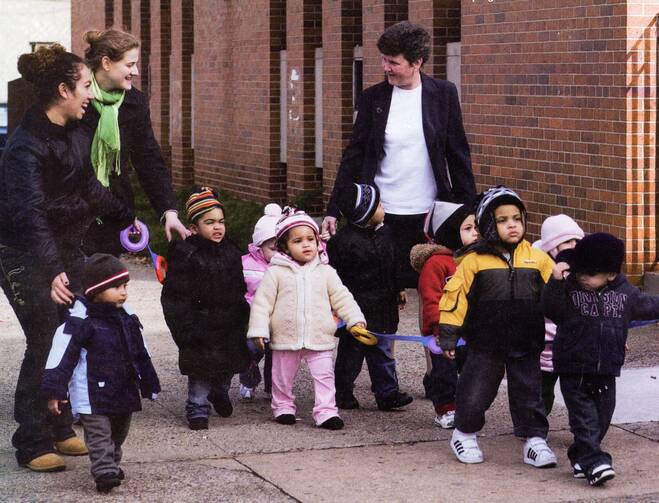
x=363, y=335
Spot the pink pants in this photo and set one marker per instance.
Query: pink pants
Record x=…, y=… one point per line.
x=285, y=365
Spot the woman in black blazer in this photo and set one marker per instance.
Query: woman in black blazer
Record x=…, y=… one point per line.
x=405, y=47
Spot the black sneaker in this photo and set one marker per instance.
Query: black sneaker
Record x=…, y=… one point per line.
x=577, y=471
x=394, y=401
x=333, y=423
x=198, y=423
x=426, y=385
x=346, y=401
x=600, y=474
x=222, y=404
x=105, y=483
x=285, y=419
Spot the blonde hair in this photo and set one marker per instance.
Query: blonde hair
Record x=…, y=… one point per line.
x=47, y=68
x=111, y=43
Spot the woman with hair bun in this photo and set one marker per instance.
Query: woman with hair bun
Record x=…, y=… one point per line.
x=120, y=135
x=48, y=198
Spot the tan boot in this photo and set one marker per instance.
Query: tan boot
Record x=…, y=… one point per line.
x=50, y=462
x=71, y=447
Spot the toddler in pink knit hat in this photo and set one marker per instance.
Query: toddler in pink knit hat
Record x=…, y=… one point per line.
x=255, y=263
x=558, y=233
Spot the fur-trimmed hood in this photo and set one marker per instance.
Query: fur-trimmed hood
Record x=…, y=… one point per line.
x=422, y=252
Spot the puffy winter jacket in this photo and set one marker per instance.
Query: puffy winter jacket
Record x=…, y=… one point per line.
x=294, y=303
x=435, y=266
x=254, y=267
x=203, y=299
x=48, y=193
x=496, y=302
x=365, y=261
x=99, y=360
x=592, y=326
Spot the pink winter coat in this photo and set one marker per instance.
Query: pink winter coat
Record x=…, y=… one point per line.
x=254, y=267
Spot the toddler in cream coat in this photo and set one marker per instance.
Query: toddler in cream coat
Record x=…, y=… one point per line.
x=293, y=307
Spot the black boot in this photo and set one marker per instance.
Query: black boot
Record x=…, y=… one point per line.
x=198, y=423
x=221, y=403
x=285, y=419
x=105, y=483
x=346, y=400
x=333, y=423
x=394, y=401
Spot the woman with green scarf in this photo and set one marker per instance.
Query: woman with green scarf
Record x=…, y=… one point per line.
x=118, y=126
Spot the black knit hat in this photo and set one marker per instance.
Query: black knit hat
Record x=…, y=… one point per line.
x=103, y=271
x=598, y=252
x=443, y=222
x=358, y=203
x=489, y=201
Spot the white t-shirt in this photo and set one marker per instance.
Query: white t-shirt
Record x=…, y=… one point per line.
x=405, y=177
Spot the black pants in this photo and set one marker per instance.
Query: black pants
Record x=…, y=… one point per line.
x=548, y=383
x=590, y=401
x=478, y=385
x=444, y=379
x=104, y=436
x=381, y=366
x=28, y=292
x=407, y=231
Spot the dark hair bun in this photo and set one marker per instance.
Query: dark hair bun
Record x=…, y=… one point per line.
x=34, y=66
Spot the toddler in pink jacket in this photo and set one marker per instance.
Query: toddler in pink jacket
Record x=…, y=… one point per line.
x=255, y=263
x=558, y=233
x=293, y=308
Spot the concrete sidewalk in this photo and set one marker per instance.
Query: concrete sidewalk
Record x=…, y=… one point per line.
x=397, y=456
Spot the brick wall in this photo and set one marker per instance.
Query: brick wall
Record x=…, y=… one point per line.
x=303, y=35
x=342, y=30
x=378, y=15
x=161, y=37
x=548, y=111
x=236, y=106
x=85, y=15
x=442, y=20
x=180, y=92
x=558, y=98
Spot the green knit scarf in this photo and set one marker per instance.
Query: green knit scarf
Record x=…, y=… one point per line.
x=106, y=145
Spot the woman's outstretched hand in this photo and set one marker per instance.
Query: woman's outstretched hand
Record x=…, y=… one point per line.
x=59, y=290
x=172, y=223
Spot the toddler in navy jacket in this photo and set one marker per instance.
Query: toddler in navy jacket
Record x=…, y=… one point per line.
x=100, y=363
x=592, y=308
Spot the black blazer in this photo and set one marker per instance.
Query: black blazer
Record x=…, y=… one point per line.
x=443, y=130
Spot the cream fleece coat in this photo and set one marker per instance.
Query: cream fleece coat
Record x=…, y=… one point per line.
x=293, y=306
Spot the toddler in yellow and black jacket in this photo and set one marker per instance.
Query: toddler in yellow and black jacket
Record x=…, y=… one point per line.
x=494, y=301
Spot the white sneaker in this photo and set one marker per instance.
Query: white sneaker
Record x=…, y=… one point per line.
x=465, y=447
x=537, y=453
x=246, y=393
x=446, y=420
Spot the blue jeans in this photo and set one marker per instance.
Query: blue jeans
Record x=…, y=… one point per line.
x=198, y=390
x=28, y=290
x=380, y=361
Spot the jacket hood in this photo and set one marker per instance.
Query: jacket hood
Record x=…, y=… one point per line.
x=256, y=253
x=422, y=252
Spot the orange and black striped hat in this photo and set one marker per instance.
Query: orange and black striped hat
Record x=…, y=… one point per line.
x=203, y=199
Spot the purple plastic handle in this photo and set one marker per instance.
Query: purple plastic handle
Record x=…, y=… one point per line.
x=134, y=247
x=433, y=347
